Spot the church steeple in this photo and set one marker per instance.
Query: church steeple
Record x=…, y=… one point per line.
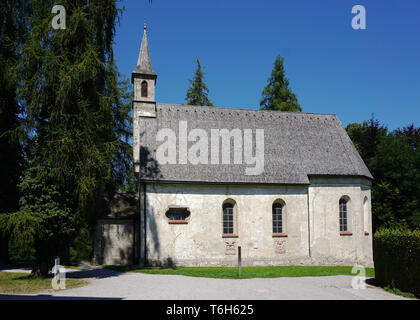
x=144, y=65
x=143, y=76
x=144, y=104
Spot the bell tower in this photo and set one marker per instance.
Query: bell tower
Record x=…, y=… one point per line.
x=144, y=105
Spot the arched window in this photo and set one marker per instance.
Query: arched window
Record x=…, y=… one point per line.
x=277, y=218
x=366, y=215
x=144, y=89
x=343, y=215
x=228, y=218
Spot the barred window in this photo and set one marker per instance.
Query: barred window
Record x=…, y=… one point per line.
x=144, y=89
x=277, y=218
x=228, y=218
x=343, y=215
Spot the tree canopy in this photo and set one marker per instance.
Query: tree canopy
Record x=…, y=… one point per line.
x=197, y=93
x=394, y=161
x=277, y=95
x=77, y=120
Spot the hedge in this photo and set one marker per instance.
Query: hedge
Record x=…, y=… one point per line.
x=396, y=254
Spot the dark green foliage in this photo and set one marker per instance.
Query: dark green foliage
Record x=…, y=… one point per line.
x=12, y=30
x=409, y=134
x=76, y=115
x=277, y=94
x=197, y=93
x=366, y=138
x=396, y=194
x=396, y=255
x=81, y=248
x=22, y=228
x=394, y=161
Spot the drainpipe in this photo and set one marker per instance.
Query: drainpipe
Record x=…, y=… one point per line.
x=309, y=226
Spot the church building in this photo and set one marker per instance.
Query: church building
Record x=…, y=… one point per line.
x=288, y=188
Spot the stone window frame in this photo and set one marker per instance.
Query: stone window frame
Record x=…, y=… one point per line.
x=366, y=215
x=234, y=233
x=344, y=203
x=184, y=221
x=283, y=232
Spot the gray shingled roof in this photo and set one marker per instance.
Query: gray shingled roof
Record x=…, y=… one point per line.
x=297, y=145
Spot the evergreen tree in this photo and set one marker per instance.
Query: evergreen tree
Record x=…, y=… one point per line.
x=394, y=161
x=410, y=134
x=366, y=138
x=78, y=114
x=197, y=93
x=396, y=190
x=12, y=30
x=277, y=94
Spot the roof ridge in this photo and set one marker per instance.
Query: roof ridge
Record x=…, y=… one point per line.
x=242, y=109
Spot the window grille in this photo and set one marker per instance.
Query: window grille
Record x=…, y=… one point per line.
x=343, y=215
x=277, y=218
x=228, y=218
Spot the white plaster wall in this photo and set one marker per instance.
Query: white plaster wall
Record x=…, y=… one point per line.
x=200, y=242
x=328, y=245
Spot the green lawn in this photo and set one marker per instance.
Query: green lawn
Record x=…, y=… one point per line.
x=17, y=283
x=248, y=272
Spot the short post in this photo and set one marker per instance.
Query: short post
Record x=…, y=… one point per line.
x=239, y=262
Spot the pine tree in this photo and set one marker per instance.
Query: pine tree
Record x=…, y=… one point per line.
x=277, y=94
x=197, y=93
x=12, y=30
x=77, y=112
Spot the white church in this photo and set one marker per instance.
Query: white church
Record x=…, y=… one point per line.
x=289, y=188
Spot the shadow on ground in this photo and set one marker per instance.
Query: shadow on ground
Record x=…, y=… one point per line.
x=49, y=297
x=96, y=273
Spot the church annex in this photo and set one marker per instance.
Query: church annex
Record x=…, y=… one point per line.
x=204, y=190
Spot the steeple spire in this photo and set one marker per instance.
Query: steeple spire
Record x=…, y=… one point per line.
x=144, y=65
x=143, y=79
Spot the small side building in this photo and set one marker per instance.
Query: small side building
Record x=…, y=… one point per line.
x=116, y=239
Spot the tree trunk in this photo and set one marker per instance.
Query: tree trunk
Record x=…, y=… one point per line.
x=44, y=260
x=41, y=269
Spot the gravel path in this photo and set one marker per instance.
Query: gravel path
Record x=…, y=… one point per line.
x=108, y=284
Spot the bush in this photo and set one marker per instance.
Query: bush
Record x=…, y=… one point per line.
x=81, y=249
x=396, y=254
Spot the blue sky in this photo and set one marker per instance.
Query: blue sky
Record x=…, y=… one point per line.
x=331, y=67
